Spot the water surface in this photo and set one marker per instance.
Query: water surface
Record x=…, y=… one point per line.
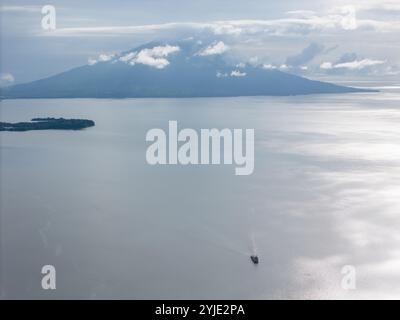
x=324, y=194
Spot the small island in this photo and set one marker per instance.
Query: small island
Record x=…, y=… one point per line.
x=47, y=124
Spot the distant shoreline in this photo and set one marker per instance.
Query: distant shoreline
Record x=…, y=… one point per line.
x=356, y=91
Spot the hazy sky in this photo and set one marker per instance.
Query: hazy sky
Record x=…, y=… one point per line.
x=331, y=38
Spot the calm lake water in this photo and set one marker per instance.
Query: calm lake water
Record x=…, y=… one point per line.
x=325, y=193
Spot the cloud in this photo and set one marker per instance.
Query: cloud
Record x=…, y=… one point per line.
x=346, y=17
x=128, y=57
x=269, y=67
x=306, y=55
x=359, y=64
x=154, y=57
x=221, y=75
x=379, y=5
x=224, y=29
x=237, y=73
x=352, y=65
x=392, y=70
x=234, y=73
x=20, y=9
x=91, y=61
x=103, y=57
x=301, y=13
x=350, y=61
x=326, y=65
x=214, y=49
x=298, y=22
x=6, y=79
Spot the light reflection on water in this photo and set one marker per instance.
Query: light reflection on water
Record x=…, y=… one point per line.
x=324, y=194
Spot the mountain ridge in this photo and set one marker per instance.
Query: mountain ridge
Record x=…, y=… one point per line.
x=157, y=70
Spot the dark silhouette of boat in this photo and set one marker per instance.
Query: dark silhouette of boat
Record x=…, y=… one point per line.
x=255, y=259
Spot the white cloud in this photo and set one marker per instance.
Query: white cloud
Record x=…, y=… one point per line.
x=346, y=17
x=150, y=58
x=392, y=70
x=297, y=22
x=103, y=57
x=352, y=65
x=91, y=61
x=154, y=57
x=214, y=49
x=221, y=75
x=380, y=5
x=302, y=13
x=237, y=73
x=326, y=65
x=20, y=9
x=106, y=57
x=268, y=66
x=225, y=29
x=359, y=64
x=128, y=57
x=6, y=79
x=283, y=67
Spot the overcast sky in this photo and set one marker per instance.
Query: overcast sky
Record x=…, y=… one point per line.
x=317, y=39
